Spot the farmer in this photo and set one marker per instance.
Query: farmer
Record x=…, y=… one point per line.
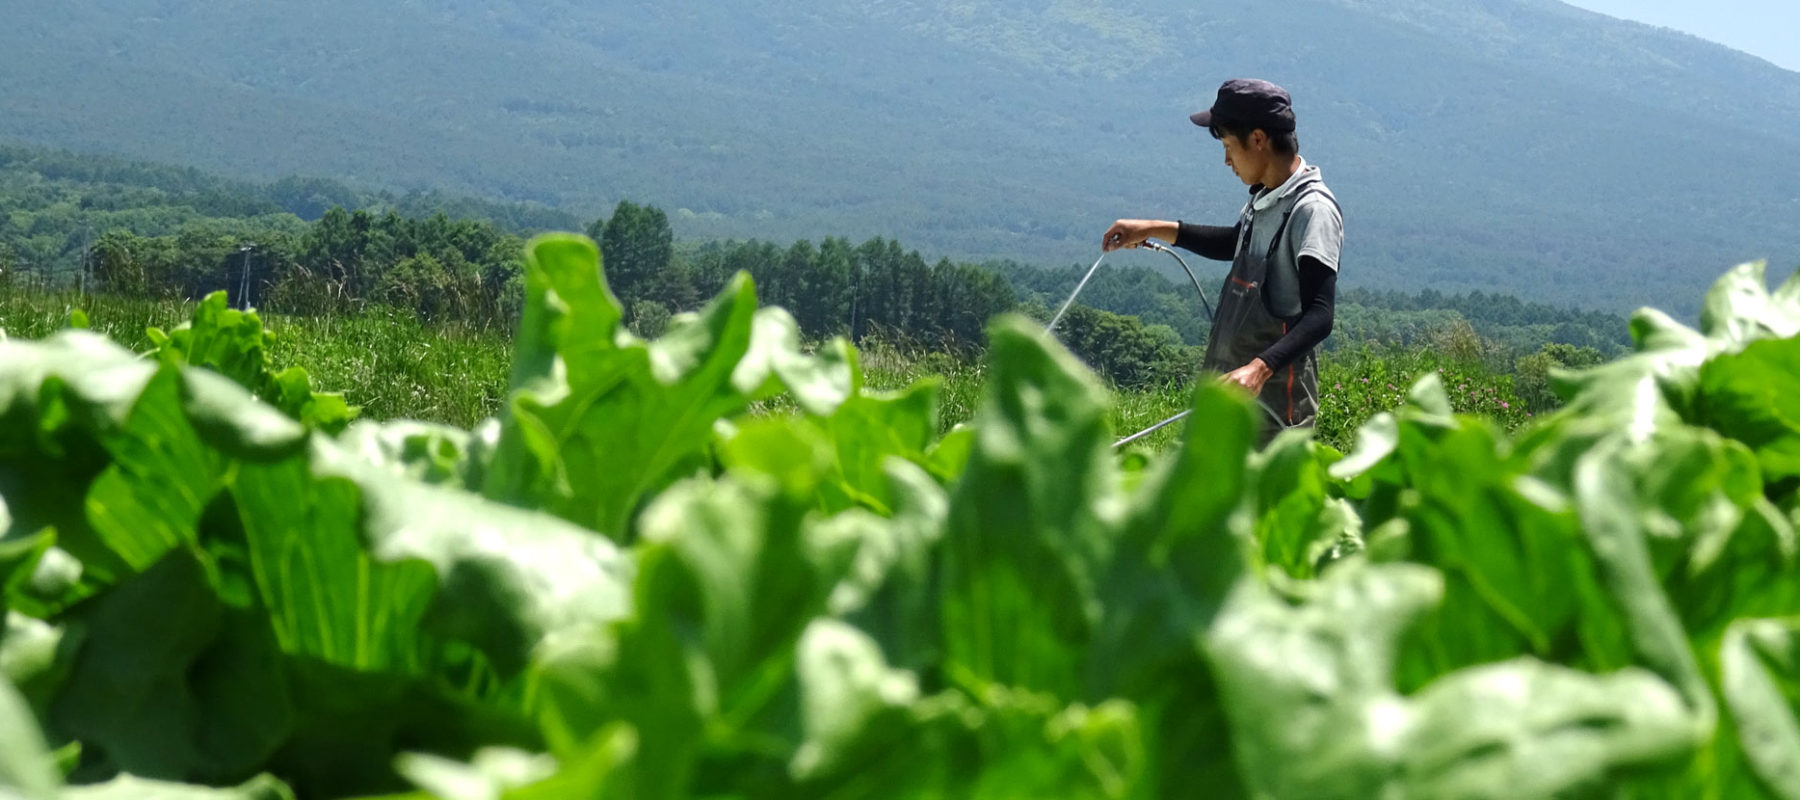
x=1277, y=303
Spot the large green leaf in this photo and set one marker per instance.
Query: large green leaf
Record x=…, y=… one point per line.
x=598, y=418
x=1754, y=397
x=1184, y=546
x=170, y=684
x=729, y=575
x=890, y=591
x=870, y=734
x=1032, y=520
x=149, y=500
x=1539, y=731
x=1291, y=503
x=36, y=657
x=1310, y=691
x=1740, y=309
x=234, y=344
x=506, y=578
x=127, y=787
x=868, y=430
x=26, y=771
x=326, y=597
x=119, y=455
x=854, y=708
x=1517, y=579
x=57, y=399
x=421, y=451
x=1761, y=680
x=358, y=566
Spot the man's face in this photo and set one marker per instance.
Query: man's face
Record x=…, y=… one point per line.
x=1243, y=159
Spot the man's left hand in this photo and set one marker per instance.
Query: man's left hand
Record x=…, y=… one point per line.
x=1251, y=376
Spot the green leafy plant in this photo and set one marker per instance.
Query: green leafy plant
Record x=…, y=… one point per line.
x=630, y=584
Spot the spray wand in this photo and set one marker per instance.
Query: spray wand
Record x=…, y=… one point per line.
x=1150, y=244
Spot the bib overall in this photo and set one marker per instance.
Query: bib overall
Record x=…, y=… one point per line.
x=1246, y=325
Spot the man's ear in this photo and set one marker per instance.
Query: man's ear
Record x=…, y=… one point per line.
x=1259, y=140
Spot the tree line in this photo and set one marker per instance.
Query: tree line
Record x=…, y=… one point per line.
x=832, y=288
x=302, y=245
x=470, y=271
x=1135, y=326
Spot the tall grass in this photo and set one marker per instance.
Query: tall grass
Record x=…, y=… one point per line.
x=385, y=361
x=393, y=366
x=30, y=314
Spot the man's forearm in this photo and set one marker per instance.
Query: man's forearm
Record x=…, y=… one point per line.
x=1318, y=296
x=1210, y=241
x=1164, y=230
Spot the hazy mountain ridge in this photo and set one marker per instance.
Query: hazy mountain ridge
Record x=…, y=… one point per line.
x=1518, y=145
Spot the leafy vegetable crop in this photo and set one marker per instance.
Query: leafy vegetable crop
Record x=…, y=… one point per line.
x=219, y=586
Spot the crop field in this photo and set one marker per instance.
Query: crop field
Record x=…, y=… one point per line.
x=573, y=563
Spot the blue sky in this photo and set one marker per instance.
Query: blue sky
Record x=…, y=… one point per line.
x=1769, y=29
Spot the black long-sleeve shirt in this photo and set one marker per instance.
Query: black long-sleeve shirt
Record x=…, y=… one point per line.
x=1318, y=292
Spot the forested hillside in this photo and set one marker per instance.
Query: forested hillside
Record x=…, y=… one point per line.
x=1512, y=146
x=55, y=205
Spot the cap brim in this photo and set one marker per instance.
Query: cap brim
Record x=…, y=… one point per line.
x=1204, y=118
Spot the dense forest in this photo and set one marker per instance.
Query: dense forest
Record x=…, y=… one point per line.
x=302, y=246
x=1534, y=158
x=55, y=204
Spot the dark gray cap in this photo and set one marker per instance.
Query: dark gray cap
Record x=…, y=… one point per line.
x=1252, y=104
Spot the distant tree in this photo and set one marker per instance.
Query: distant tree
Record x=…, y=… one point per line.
x=333, y=247
x=416, y=282
x=637, y=244
x=828, y=310
x=672, y=287
x=762, y=260
x=310, y=198
x=649, y=319
x=791, y=285
x=115, y=267
x=963, y=299
x=1122, y=349
x=1532, y=373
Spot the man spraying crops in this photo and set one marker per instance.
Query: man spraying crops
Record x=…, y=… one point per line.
x=1277, y=303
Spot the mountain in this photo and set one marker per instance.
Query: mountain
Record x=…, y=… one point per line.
x=1522, y=146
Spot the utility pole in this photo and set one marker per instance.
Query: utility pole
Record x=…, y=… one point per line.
x=244, y=276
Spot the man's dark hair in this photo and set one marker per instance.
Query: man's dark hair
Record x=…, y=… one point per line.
x=1286, y=143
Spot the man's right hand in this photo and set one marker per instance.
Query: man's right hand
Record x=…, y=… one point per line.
x=1132, y=233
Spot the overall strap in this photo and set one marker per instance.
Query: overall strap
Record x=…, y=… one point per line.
x=1313, y=189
